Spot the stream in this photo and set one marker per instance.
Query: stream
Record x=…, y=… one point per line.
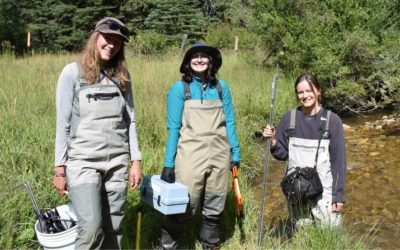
x=372, y=191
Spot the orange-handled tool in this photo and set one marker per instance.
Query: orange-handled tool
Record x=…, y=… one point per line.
x=238, y=196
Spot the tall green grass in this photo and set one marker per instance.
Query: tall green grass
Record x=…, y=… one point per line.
x=27, y=131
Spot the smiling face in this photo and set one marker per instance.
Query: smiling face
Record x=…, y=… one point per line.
x=108, y=46
x=199, y=63
x=308, y=95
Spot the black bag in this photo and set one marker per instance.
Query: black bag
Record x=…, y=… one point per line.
x=302, y=185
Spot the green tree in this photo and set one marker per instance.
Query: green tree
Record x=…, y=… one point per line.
x=239, y=12
x=64, y=25
x=175, y=18
x=340, y=41
x=135, y=13
x=215, y=11
x=12, y=29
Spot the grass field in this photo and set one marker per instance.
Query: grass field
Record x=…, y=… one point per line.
x=27, y=131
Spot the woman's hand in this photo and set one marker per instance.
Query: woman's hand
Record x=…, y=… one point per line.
x=135, y=175
x=269, y=132
x=60, y=180
x=337, y=207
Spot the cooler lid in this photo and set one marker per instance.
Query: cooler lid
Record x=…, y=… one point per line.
x=163, y=192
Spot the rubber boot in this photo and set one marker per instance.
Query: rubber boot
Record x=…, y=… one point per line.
x=209, y=233
x=167, y=241
x=170, y=233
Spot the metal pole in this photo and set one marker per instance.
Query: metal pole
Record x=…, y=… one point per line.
x=28, y=188
x=267, y=156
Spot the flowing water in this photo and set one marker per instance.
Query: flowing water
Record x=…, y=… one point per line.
x=372, y=208
x=373, y=182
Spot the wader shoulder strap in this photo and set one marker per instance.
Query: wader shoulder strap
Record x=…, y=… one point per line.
x=292, y=123
x=326, y=115
x=81, y=74
x=188, y=95
x=80, y=78
x=219, y=89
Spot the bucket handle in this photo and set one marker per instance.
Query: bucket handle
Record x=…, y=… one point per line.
x=28, y=188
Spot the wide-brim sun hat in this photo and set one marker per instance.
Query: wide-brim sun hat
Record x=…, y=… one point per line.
x=111, y=25
x=202, y=47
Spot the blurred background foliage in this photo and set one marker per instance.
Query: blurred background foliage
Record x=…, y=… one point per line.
x=352, y=46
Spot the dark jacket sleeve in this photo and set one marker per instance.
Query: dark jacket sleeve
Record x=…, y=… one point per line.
x=280, y=150
x=337, y=152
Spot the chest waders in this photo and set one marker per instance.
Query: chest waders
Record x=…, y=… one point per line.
x=202, y=164
x=302, y=154
x=98, y=158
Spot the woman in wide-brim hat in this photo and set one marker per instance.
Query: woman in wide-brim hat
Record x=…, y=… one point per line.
x=202, y=143
x=214, y=54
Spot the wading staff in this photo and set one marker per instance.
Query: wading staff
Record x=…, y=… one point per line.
x=139, y=225
x=264, y=193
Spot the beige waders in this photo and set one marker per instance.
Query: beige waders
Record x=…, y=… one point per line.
x=97, y=166
x=202, y=164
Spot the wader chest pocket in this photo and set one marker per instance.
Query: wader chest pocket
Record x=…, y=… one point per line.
x=167, y=198
x=102, y=96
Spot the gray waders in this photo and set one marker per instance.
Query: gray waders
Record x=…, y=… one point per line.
x=97, y=166
x=302, y=154
x=202, y=163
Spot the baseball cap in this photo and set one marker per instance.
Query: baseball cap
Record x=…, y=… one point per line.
x=111, y=25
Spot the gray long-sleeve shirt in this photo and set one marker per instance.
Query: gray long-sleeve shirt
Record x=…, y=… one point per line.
x=308, y=127
x=64, y=100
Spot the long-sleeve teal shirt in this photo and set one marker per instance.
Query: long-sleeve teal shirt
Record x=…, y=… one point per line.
x=175, y=105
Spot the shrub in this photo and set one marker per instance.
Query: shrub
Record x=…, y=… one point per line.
x=223, y=36
x=343, y=43
x=150, y=43
x=346, y=97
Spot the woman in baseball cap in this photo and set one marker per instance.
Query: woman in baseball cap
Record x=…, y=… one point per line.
x=111, y=25
x=96, y=137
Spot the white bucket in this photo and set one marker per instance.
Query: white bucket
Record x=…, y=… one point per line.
x=64, y=240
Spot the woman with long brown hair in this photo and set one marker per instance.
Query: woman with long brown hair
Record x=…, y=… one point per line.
x=309, y=136
x=96, y=136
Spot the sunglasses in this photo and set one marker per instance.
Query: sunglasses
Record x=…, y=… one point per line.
x=113, y=25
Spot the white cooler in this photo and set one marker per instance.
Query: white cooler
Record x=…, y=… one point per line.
x=167, y=198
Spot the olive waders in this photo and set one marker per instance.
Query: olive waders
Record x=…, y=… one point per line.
x=302, y=154
x=202, y=164
x=97, y=166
